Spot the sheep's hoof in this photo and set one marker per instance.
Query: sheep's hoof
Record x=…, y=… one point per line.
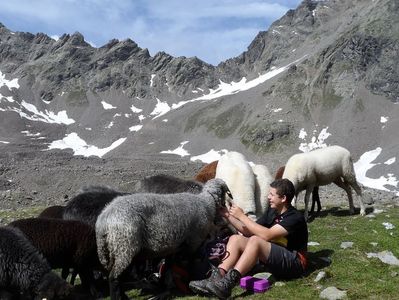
x=362, y=213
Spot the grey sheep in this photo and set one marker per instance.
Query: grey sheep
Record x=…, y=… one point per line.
x=156, y=225
x=91, y=200
x=23, y=270
x=167, y=184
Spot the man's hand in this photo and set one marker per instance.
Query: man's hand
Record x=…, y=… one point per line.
x=224, y=212
x=236, y=211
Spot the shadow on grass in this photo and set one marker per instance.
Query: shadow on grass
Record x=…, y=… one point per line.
x=318, y=260
x=336, y=211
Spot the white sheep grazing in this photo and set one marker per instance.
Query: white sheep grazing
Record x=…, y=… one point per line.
x=322, y=167
x=155, y=225
x=263, y=178
x=235, y=170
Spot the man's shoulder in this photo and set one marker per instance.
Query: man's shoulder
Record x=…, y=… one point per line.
x=293, y=213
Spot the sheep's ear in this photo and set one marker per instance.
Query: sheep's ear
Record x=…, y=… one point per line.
x=226, y=191
x=229, y=194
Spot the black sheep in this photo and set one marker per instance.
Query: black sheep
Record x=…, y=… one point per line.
x=24, y=271
x=65, y=244
x=167, y=184
x=53, y=212
x=88, y=204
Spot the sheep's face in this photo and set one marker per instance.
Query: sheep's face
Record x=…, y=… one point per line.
x=218, y=189
x=53, y=287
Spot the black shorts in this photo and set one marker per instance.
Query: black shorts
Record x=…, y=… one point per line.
x=283, y=263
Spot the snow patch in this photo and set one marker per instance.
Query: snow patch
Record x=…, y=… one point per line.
x=178, y=151
x=210, y=156
x=316, y=142
x=107, y=105
x=365, y=163
x=80, y=147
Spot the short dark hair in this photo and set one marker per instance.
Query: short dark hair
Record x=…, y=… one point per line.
x=284, y=187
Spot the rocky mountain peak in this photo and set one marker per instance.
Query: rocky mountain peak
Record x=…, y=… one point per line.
x=327, y=69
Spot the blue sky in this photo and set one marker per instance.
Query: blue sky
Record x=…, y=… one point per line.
x=213, y=30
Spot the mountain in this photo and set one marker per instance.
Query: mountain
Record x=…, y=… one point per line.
x=325, y=73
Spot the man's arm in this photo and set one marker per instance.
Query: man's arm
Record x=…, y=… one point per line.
x=250, y=227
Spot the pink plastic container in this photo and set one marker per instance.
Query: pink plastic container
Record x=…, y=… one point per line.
x=257, y=285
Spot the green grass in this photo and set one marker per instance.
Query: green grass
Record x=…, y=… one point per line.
x=350, y=269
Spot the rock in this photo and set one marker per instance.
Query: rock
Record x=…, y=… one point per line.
x=345, y=245
x=320, y=276
x=332, y=293
x=279, y=283
x=386, y=257
x=313, y=244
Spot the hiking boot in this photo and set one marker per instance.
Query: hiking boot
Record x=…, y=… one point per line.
x=223, y=287
x=200, y=286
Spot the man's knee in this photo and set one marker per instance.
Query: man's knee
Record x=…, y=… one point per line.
x=237, y=239
x=257, y=240
x=259, y=243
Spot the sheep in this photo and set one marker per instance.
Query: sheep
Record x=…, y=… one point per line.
x=207, y=172
x=88, y=204
x=156, y=225
x=167, y=184
x=24, y=270
x=56, y=212
x=65, y=244
x=322, y=167
x=263, y=178
x=234, y=169
x=53, y=212
x=315, y=192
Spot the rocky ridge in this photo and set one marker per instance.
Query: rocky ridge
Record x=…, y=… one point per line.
x=341, y=79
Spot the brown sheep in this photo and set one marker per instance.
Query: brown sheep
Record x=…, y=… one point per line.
x=207, y=172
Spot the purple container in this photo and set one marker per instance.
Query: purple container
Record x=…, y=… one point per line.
x=257, y=285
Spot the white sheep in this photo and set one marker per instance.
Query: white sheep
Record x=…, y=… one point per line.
x=235, y=170
x=155, y=225
x=322, y=167
x=263, y=178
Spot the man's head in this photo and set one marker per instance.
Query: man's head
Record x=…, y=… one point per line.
x=284, y=187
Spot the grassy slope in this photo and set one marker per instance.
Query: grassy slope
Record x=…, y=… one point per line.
x=350, y=269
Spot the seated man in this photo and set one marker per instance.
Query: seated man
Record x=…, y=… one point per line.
x=278, y=239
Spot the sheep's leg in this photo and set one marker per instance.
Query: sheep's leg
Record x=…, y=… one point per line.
x=307, y=196
x=115, y=290
x=348, y=190
x=88, y=282
x=65, y=273
x=296, y=200
x=315, y=199
x=358, y=191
